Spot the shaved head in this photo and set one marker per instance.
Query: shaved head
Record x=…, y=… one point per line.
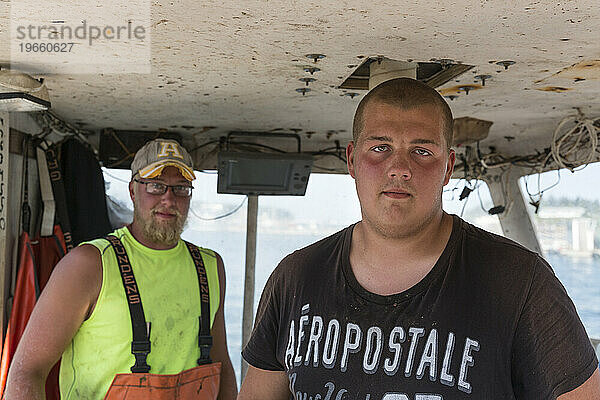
x=406, y=94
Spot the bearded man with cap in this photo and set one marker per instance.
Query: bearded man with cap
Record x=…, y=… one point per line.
x=138, y=314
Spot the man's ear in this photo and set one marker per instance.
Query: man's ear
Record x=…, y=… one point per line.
x=450, y=166
x=131, y=192
x=350, y=158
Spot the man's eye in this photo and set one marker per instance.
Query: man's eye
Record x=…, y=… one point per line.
x=182, y=190
x=380, y=148
x=156, y=186
x=422, y=152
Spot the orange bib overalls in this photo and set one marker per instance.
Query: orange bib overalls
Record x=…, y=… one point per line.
x=201, y=382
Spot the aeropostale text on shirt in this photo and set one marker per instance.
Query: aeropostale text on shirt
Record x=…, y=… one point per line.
x=315, y=342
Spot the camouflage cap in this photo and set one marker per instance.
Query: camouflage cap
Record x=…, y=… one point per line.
x=154, y=156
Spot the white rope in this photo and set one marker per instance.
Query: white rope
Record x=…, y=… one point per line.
x=567, y=147
x=487, y=159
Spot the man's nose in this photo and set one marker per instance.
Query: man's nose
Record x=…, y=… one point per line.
x=168, y=197
x=400, y=166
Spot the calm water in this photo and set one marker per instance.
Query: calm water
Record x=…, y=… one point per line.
x=580, y=277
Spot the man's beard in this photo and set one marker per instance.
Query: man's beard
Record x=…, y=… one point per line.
x=162, y=232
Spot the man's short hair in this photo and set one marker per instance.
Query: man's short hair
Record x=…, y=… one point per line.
x=404, y=93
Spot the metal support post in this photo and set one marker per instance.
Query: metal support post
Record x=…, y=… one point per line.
x=248, y=316
x=515, y=221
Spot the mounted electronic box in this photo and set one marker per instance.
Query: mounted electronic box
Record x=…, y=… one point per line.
x=259, y=173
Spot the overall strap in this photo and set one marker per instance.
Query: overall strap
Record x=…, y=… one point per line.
x=58, y=188
x=204, y=338
x=140, y=346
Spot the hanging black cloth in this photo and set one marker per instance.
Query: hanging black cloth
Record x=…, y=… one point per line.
x=84, y=192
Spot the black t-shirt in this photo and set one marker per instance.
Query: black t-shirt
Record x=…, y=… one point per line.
x=489, y=321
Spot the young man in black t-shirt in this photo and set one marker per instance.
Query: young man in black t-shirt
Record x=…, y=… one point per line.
x=411, y=303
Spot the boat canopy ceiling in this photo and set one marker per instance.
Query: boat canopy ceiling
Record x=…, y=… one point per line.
x=222, y=66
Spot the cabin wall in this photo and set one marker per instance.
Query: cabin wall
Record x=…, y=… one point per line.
x=14, y=195
x=5, y=240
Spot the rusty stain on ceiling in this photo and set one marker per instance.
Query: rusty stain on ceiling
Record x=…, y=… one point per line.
x=555, y=89
x=581, y=71
x=460, y=89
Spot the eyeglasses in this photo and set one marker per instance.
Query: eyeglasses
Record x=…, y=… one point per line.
x=158, y=188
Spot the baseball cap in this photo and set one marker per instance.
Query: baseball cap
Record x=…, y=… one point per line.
x=154, y=156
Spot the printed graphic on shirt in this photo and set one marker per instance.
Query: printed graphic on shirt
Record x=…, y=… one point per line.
x=314, y=342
